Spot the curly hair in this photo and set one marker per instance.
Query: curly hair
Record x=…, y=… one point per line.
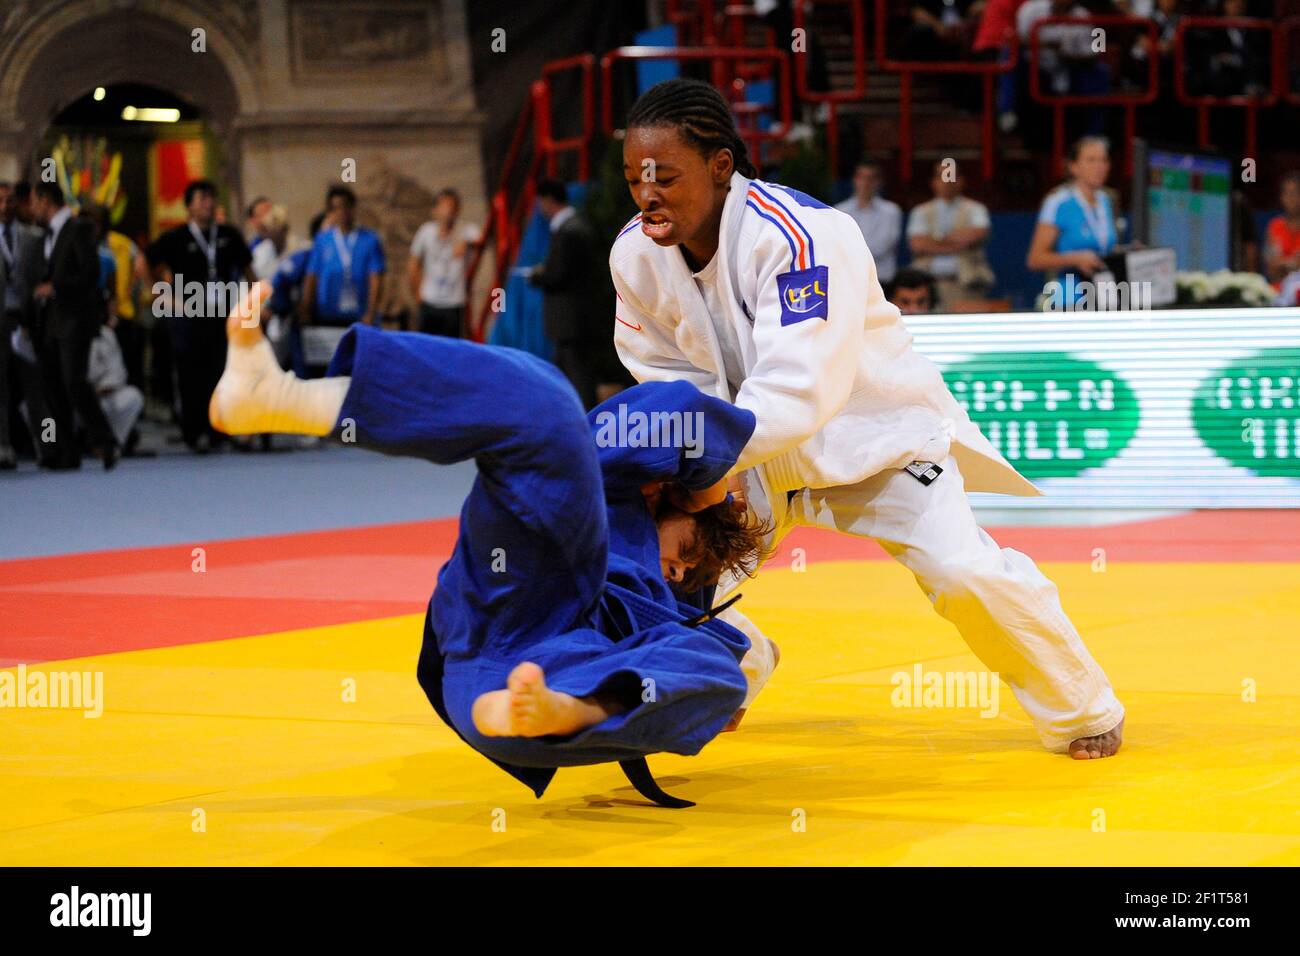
x=727, y=538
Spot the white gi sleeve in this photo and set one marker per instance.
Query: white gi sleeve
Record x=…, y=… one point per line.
x=806, y=361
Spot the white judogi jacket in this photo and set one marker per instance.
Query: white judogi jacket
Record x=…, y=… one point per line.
x=828, y=366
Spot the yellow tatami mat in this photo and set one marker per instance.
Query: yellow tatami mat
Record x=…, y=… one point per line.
x=318, y=747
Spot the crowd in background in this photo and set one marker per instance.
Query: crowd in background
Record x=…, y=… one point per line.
x=1227, y=62
x=76, y=293
x=99, y=335
x=1076, y=229
x=54, y=363
x=91, y=323
x=946, y=235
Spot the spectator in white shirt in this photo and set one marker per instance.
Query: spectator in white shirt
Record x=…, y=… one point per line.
x=880, y=220
x=276, y=244
x=947, y=236
x=436, y=269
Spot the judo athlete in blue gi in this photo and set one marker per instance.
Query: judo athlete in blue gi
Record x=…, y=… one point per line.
x=553, y=638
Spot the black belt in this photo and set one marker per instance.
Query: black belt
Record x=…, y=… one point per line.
x=637, y=770
x=638, y=774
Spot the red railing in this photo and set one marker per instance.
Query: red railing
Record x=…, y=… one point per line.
x=752, y=135
x=580, y=144
x=504, y=226
x=732, y=32
x=505, y=223
x=1249, y=102
x=693, y=26
x=1059, y=101
x=906, y=69
x=497, y=229
x=832, y=98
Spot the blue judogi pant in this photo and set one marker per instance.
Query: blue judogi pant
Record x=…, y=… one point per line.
x=532, y=576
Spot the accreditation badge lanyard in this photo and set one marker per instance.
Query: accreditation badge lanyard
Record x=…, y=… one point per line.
x=1096, y=219
x=348, y=293
x=5, y=251
x=209, y=247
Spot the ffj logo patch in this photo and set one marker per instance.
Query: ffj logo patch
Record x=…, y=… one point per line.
x=804, y=295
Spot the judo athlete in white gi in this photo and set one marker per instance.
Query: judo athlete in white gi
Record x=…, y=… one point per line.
x=552, y=638
x=766, y=297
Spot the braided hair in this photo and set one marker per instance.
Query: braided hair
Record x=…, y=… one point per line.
x=699, y=112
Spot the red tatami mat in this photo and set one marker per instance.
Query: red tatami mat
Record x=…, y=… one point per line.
x=1200, y=536
x=103, y=602
x=106, y=601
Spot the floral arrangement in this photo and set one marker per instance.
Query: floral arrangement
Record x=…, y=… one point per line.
x=1224, y=287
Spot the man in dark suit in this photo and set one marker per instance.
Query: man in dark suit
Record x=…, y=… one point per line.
x=14, y=240
x=21, y=247
x=569, y=290
x=64, y=319
x=214, y=255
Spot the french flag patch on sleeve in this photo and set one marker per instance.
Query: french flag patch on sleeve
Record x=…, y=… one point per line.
x=804, y=295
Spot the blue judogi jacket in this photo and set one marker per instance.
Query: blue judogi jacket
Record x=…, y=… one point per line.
x=557, y=559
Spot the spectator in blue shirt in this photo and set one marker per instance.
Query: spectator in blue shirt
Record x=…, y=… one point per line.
x=286, y=295
x=107, y=273
x=345, y=268
x=1076, y=226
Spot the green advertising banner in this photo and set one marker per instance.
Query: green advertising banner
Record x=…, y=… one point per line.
x=1140, y=409
x=1249, y=412
x=1050, y=414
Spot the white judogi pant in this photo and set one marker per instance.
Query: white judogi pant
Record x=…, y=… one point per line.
x=1009, y=613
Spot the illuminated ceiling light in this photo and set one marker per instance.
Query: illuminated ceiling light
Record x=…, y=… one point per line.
x=151, y=114
x=100, y=93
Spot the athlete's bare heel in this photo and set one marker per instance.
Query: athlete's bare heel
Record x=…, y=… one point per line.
x=528, y=708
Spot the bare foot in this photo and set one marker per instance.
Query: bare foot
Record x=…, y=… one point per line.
x=528, y=708
x=1102, y=745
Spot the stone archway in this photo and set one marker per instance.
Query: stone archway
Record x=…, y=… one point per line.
x=292, y=89
x=55, y=53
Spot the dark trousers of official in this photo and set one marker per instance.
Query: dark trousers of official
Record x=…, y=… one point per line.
x=571, y=355
x=199, y=356
x=64, y=362
x=440, y=320
x=161, y=371
x=7, y=371
x=30, y=391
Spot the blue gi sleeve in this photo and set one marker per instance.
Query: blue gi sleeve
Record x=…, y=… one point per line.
x=667, y=431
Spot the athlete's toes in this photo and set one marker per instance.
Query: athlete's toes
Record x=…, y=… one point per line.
x=526, y=678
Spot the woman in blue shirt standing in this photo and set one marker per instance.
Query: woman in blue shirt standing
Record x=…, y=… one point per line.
x=1076, y=226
